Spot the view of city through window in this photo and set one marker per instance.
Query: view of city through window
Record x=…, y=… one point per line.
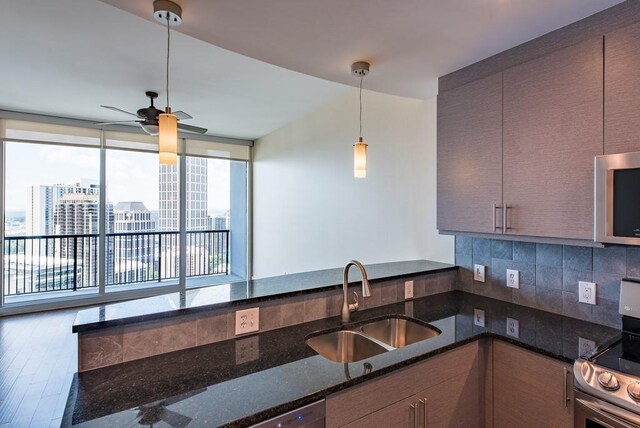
x=53, y=218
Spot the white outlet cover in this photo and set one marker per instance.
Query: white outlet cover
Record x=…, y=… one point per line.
x=585, y=346
x=587, y=292
x=408, y=289
x=513, y=327
x=247, y=321
x=479, y=273
x=478, y=317
x=513, y=278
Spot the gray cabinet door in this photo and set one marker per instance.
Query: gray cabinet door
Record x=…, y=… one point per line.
x=553, y=127
x=622, y=90
x=470, y=155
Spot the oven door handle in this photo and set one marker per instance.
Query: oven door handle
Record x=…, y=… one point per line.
x=610, y=419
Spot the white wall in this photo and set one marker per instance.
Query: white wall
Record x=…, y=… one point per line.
x=309, y=212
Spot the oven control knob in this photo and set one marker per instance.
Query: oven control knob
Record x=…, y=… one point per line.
x=634, y=390
x=609, y=382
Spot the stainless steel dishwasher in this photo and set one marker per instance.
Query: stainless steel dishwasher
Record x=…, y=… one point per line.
x=309, y=416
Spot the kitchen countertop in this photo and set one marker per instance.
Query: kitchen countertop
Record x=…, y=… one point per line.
x=240, y=293
x=222, y=384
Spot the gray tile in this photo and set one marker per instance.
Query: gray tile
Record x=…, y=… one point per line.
x=482, y=251
x=315, y=308
x=606, y=313
x=524, y=252
x=502, y=249
x=142, y=340
x=498, y=271
x=178, y=333
x=464, y=245
x=549, y=300
x=572, y=308
x=633, y=262
x=570, y=279
x=211, y=328
x=388, y=293
x=527, y=272
x=292, y=313
x=549, y=255
x=610, y=259
x=608, y=286
x=270, y=317
x=549, y=277
x=577, y=258
x=464, y=260
x=525, y=295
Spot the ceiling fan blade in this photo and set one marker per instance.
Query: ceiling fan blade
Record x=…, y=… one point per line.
x=182, y=115
x=120, y=110
x=189, y=128
x=117, y=122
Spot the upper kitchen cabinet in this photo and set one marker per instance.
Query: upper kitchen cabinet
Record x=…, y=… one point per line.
x=553, y=127
x=470, y=156
x=622, y=90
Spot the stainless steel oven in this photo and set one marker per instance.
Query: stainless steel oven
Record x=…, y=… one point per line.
x=617, y=199
x=591, y=412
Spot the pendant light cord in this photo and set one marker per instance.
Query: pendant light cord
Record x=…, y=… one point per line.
x=361, y=77
x=168, y=44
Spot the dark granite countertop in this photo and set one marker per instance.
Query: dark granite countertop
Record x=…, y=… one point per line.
x=240, y=293
x=223, y=385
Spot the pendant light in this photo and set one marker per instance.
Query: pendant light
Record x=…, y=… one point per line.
x=360, y=69
x=168, y=13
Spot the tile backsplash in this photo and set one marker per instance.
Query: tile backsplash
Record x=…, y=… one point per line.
x=549, y=275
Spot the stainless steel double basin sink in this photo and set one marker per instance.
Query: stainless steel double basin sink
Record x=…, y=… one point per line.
x=370, y=338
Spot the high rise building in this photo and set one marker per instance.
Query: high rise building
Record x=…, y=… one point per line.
x=42, y=200
x=197, y=218
x=133, y=250
x=197, y=195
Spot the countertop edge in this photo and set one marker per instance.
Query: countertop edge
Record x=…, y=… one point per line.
x=323, y=394
x=93, y=326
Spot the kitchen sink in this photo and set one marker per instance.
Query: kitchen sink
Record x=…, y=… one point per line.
x=371, y=338
x=398, y=332
x=345, y=346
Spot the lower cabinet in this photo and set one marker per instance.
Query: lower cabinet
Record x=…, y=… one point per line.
x=488, y=383
x=529, y=388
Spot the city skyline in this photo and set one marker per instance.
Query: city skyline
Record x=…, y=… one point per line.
x=69, y=165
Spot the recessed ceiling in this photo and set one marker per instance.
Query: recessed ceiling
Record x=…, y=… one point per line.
x=408, y=42
x=66, y=57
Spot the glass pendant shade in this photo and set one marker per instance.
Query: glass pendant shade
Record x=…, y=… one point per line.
x=360, y=159
x=168, y=138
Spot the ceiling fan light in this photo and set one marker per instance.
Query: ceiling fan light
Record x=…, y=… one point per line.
x=360, y=159
x=168, y=138
x=150, y=129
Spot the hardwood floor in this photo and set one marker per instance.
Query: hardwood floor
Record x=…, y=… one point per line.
x=38, y=357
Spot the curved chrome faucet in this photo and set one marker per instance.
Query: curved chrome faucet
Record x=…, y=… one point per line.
x=347, y=307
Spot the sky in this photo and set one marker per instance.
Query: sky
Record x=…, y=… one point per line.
x=131, y=176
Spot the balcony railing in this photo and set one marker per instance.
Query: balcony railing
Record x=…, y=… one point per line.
x=36, y=264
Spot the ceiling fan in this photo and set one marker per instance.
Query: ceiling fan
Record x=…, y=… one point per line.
x=147, y=117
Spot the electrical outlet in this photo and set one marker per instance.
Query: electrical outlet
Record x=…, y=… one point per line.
x=408, y=289
x=513, y=327
x=513, y=278
x=587, y=292
x=478, y=317
x=478, y=273
x=247, y=320
x=247, y=349
x=585, y=346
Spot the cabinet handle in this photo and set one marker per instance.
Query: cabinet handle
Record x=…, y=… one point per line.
x=413, y=414
x=495, y=226
x=424, y=403
x=566, y=390
x=505, y=208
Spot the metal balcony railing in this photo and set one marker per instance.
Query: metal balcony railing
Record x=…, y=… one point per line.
x=36, y=264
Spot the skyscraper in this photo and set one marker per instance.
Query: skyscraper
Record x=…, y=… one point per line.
x=134, y=251
x=197, y=195
x=42, y=200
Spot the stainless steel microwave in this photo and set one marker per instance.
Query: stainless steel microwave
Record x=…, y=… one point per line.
x=617, y=199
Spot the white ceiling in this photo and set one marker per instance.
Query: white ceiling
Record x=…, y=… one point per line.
x=66, y=57
x=408, y=42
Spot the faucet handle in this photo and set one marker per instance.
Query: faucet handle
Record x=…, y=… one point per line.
x=354, y=306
